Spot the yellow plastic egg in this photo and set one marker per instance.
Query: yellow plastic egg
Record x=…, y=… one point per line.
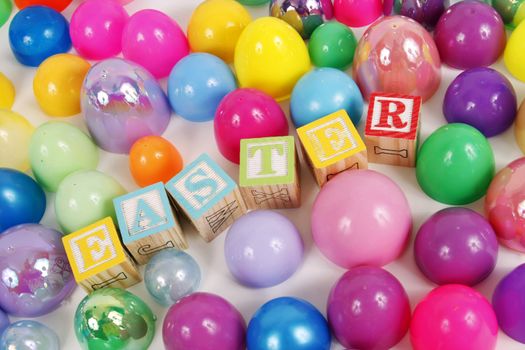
x=15, y=134
x=58, y=82
x=514, y=56
x=7, y=92
x=215, y=27
x=519, y=127
x=271, y=56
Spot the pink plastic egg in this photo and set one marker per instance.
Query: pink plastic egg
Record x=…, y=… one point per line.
x=357, y=13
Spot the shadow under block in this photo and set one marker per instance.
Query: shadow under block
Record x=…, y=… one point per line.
x=269, y=173
x=392, y=129
x=208, y=197
x=147, y=223
x=98, y=259
x=332, y=145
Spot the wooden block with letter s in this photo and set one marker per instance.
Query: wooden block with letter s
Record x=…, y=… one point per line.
x=392, y=129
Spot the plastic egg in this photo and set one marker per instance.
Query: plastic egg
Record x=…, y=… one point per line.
x=16, y=132
x=324, y=91
x=85, y=197
x=58, y=82
x=270, y=56
x=7, y=97
x=514, y=55
x=511, y=11
x=396, y=54
x=519, y=127
x=470, y=34
x=114, y=319
x=154, y=159
x=332, y=45
x=5, y=11
x=58, y=149
x=361, y=217
x=21, y=199
x=244, y=114
x=121, y=103
x=96, y=28
x=454, y=317
x=426, y=12
x=197, y=84
x=29, y=335
x=303, y=15
x=203, y=321
x=36, y=276
x=170, y=275
x=58, y=5
x=253, y=2
x=150, y=32
x=215, y=27
x=368, y=309
x=263, y=249
x=4, y=321
x=38, y=32
x=357, y=13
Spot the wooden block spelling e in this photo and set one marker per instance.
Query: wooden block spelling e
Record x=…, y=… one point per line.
x=147, y=222
x=269, y=175
x=332, y=145
x=97, y=258
x=392, y=129
x=208, y=196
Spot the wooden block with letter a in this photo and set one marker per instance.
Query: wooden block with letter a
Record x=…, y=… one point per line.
x=208, y=196
x=392, y=129
x=269, y=174
x=332, y=145
x=98, y=259
x=148, y=223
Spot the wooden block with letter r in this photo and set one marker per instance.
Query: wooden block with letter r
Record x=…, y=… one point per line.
x=269, y=174
x=332, y=145
x=392, y=129
x=148, y=223
x=208, y=196
x=98, y=259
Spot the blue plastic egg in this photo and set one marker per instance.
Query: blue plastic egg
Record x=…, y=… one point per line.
x=29, y=335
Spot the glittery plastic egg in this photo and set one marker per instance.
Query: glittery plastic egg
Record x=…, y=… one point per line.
x=4, y=321
x=303, y=15
x=29, y=335
x=114, y=319
x=396, y=54
x=121, y=103
x=35, y=273
x=426, y=12
x=16, y=133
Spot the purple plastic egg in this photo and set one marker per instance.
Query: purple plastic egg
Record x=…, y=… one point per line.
x=426, y=12
x=35, y=273
x=470, y=34
x=456, y=246
x=482, y=98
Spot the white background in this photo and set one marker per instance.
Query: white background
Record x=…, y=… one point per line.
x=316, y=276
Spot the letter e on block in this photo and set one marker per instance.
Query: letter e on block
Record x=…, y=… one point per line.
x=392, y=129
x=97, y=258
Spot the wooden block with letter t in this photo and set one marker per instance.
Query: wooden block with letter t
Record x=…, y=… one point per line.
x=208, y=196
x=392, y=129
x=269, y=175
x=98, y=259
x=332, y=145
x=148, y=223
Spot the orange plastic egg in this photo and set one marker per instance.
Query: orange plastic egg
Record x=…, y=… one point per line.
x=59, y=5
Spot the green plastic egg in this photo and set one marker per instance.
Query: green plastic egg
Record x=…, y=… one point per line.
x=253, y=2
x=332, y=45
x=58, y=149
x=5, y=11
x=455, y=164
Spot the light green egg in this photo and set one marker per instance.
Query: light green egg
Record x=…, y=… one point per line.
x=58, y=149
x=85, y=197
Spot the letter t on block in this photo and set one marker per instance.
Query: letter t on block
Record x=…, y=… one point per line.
x=208, y=196
x=332, y=145
x=269, y=174
x=392, y=129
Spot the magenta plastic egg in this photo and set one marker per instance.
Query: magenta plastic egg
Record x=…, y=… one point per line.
x=155, y=41
x=35, y=273
x=361, y=217
x=96, y=28
x=470, y=34
x=121, y=103
x=244, y=114
x=357, y=13
x=396, y=54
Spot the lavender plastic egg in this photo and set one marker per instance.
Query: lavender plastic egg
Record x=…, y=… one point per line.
x=396, y=54
x=121, y=103
x=303, y=15
x=35, y=273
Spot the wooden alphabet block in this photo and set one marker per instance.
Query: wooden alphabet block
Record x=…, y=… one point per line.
x=147, y=222
x=392, y=129
x=208, y=196
x=269, y=175
x=332, y=145
x=98, y=259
